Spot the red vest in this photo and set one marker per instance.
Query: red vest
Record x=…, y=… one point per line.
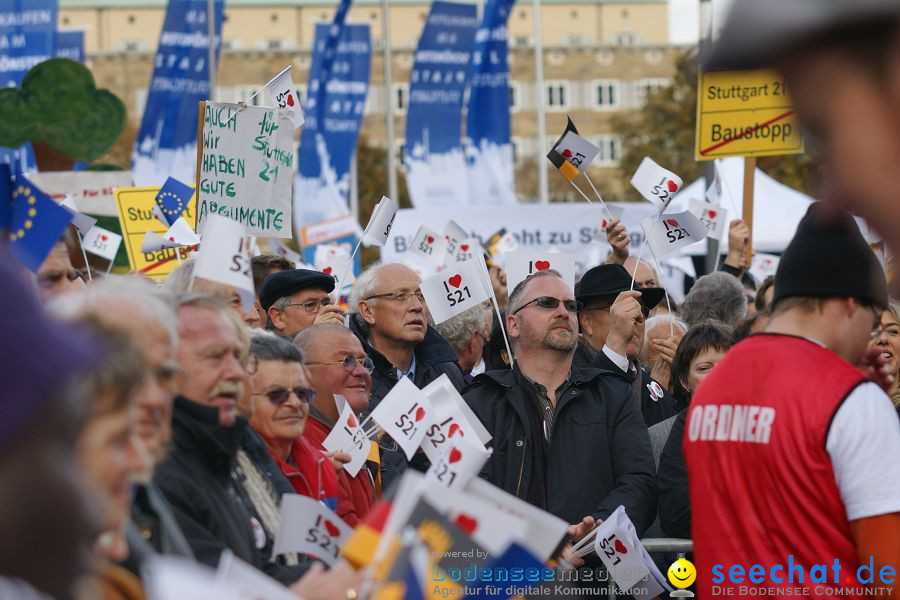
x=761, y=481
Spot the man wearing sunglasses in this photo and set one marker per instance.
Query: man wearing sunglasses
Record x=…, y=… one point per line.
x=612, y=320
x=296, y=299
x=337, y=365
x=566, y=439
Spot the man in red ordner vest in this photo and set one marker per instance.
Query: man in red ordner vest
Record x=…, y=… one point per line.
x=792, y=451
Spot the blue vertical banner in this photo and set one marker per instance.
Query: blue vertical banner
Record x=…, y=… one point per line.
x=434, y=160
x=27, y=37
x=489, y=152
x=70, y=44
x=166, y=144
x=334, y=110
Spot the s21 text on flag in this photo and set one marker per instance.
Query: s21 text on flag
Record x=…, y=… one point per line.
x=455, y=289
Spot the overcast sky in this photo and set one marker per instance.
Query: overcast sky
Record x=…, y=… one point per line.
x=684, y=19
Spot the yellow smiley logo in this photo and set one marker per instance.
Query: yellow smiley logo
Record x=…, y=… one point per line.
x=682, y=573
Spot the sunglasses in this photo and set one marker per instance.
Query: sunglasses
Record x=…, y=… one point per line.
x=550, y=303
x=280, y=395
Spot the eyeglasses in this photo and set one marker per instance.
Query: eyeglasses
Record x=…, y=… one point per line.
x=349, y=363
x=280, y=395
x=400, y=297
x=312, y=306
x=550, y=303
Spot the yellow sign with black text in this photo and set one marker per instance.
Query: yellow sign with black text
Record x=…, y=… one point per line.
x=745, y=113
x=135, y=208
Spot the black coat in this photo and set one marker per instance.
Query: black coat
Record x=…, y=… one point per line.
x=654, y=407
x=599, y=456
x=672, y=483
x=434, y=357
x=199, y=479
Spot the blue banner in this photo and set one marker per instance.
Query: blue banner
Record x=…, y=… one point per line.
x=70, y=44
x=166, y=144
x=27, y=37
x=489, y=152
x=334, y=109
x=434, y=160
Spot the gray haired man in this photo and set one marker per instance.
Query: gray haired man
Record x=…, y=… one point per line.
x=468, y=333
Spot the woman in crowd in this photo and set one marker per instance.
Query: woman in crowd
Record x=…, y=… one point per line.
x=888, y=342
x=701, y=348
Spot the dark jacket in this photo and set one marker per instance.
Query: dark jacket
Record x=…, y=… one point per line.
x=434, y=357
x=200, y=480
x=599, y=456
x=152, y=529
x=655, y=407
x=672, y=483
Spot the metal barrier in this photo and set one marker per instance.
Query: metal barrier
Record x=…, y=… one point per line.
x=677, y=545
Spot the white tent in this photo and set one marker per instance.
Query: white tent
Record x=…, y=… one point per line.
x=777, y=208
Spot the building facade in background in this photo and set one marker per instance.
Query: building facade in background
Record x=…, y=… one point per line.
x=601, y=58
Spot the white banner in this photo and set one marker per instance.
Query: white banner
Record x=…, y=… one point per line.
x=92, y=191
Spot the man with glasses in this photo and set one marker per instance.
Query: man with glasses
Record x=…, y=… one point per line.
x=296, y=299
x=566, y=439
x=337, y=365
x=391, y=321
x=789, y=435
x=612, y=320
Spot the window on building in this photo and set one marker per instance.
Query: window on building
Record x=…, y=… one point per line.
x=273, y=44
x=557, y=95
x=606, y=94
x=401, y=97
x=625, y=38
x=610, y=150
x=132, y=46
x=514, y=96
x=645, y=87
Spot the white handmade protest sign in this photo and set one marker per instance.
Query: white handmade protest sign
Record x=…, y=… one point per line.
x=309, y=527
x=524, y=263
x=102, y=242
x=405, y=414
x=246, y=166
x=348, y=436
x=460, y=461
x=711, y=215
x=224, y=256
x=672, y=232
x=456, y=289
x=655, y=183
x=453, y=419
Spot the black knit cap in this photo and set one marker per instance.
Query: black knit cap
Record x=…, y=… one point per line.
x=829, y=258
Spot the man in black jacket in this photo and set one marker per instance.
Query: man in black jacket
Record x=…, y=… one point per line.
x=391, y=321
x=200, y=477
x=611, y=319
x=566, y=439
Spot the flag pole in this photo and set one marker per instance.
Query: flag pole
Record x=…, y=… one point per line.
x=268, y=83
x=599, y=197
x=644, y=243
x=487, y=280
x=87, y=265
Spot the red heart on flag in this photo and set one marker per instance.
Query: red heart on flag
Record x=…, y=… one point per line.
x=447, y=237
x=290, y=99
x=331, y=528
x=567, y=153
x=429, y=239
x=603, y=224
x=454, y=429
x=351, y=421
x=420, y=414
x=103, y=237
x=712, y=214
x=171, y=238
x=672, y=222
x=620, y=547
x=455, y=280
x=464, y=247
x=671, y=185
x=466, y=523
x=327, y=270
x=542, y=265
x=455, y=455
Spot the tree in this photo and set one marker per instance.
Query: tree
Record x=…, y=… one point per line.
x=664, y=129
x=371, y=168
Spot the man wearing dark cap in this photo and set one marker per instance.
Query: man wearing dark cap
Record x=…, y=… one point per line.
x=298, y=298
x=841, y=66
x=791, y=448
x=611, y=319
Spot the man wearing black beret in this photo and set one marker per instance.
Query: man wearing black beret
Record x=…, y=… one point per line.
x=296, y=299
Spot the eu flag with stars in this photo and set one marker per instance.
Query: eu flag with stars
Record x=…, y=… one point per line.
x=173, y=198
x=36, y=224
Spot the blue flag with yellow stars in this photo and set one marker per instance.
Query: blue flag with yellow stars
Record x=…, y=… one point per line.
x=36, y=224
x=172, y=199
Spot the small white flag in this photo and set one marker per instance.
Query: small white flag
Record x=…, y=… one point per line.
x=460, y=461
x=282, y=250
x=524, y=263
x=428, y=245
x=577, y=150
x=455, y=289
x=615, y=212
x=102, y=242
x=224, y=256
x=711, y=215
x=656, y=184
x=154, y=242
x=626, y=560
x=246, y=582
x=284, y=95
x=715, y=192
x=309, y=527
x=81, y=221
x=348, y=436
x=453, y=236
x=181, y=234
x=453, y=419
x=338, y=265
x=763, y=265
x=673, y=232
x=405, y=414
x=381, y=222
x=467, y=249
